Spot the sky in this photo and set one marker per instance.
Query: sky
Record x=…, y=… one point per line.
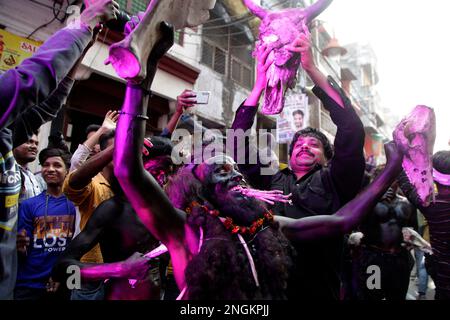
x=412, y=43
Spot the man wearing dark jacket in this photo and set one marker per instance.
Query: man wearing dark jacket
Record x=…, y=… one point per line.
x=320, y=180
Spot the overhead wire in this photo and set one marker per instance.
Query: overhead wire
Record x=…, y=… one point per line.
x=242, y=18
x=56, y=10
x=247, y=14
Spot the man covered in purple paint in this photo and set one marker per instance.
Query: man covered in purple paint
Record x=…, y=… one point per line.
x=223, y=244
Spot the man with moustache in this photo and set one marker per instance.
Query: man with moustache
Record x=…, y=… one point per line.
x=223, y=243
x=321, y=178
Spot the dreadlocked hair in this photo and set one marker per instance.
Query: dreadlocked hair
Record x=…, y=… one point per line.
x=221, y=270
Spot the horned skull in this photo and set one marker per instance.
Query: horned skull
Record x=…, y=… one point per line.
x=278, y=29
x=129, y=56
x=415, y=135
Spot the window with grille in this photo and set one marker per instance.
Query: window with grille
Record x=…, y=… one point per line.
x=367, y=75
x=138, y=5
x=123, y=4
x=179, y=37
x=217, y=59
x=207, y=54
x=236, y=70
x=220, y=60
x=214, y=57
x=133, y=6
x=241, y=73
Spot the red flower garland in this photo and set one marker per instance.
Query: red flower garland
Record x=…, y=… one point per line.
x=230, y=225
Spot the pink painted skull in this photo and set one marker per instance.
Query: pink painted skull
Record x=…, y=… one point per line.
x=278, y=29
x=415, y=135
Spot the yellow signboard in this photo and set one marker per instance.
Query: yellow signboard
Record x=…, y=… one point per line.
x=14, y=49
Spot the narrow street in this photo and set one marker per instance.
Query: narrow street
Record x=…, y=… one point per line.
x=413, y=283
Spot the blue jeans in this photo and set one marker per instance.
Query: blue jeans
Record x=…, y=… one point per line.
x=422, y=274
x=89, y=291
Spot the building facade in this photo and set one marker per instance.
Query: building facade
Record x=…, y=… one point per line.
x=215, y=57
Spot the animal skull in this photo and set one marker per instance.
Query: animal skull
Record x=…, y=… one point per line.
x=129, y=56
x=415, y=135
x=278, y=29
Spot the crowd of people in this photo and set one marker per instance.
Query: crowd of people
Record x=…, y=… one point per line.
x=137, y=226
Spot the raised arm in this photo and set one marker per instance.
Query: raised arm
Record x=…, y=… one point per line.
x=147, y=198
x=352, y=214
x=84, y=150
x=185, y=101
x=303, y=46
x=83, y=176
x=36, y=77
x=82, y=243
x=348, y=163
x=32, y=119
x=243, y=122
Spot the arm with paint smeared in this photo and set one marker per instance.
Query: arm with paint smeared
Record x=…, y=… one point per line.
x=352, y=214
x=348, y=163
x=302, y=45
x=83, y=176
x=36, y=77
x=32, y=119
x=135, y=267
x=246, y=153
x=145, y=195
x=84, y=150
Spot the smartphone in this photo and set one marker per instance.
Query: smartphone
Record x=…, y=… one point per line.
x=202, y=97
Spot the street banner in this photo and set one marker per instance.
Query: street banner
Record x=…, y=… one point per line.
x=15, y=49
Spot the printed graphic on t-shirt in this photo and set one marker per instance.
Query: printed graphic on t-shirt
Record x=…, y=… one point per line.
x=51, y=233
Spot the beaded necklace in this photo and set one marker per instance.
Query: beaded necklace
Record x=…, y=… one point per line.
x=229, y=224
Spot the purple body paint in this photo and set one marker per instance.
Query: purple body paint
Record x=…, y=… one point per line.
x=269, y=197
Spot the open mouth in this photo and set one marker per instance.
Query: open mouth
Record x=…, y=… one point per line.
x=237, y=188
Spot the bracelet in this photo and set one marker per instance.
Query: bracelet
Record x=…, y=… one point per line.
x=138, y=116
x=84, y=144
